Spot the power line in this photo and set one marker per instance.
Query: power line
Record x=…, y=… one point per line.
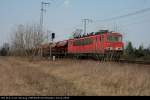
x=43, y=9
x=115, y=26
x=139, y=22
x=126, y=15
x=85, y=21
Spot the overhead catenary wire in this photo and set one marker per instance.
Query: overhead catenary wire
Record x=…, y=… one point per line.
x=125, y=15
x=104, y=21
x=124, y=25
x=117, y=17
x=135, y=23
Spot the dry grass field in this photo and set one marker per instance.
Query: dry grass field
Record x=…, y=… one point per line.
x=65, y=77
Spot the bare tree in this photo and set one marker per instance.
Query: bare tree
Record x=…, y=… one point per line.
x=26, y=39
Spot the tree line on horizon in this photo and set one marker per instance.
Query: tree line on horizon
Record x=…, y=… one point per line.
x=131, y=52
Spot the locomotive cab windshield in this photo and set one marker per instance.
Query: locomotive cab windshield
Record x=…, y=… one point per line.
x=114, y=42
x=114, y=38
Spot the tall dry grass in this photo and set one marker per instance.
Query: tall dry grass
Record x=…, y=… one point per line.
x=76, y=77
x=106, y=78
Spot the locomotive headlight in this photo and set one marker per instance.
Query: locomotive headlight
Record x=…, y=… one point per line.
x=109, y=48
x=119, y=48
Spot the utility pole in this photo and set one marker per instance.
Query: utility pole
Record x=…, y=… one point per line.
x=43, y=9
x=85, y=21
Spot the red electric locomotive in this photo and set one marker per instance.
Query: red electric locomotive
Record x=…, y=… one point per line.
x=102, y=45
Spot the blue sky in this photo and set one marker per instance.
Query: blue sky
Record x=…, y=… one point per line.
x=64, y=16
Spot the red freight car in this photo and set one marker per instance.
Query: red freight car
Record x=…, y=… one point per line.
x=60, y=49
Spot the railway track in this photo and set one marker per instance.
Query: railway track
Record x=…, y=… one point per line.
x=135, y=61
x=142, y=62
